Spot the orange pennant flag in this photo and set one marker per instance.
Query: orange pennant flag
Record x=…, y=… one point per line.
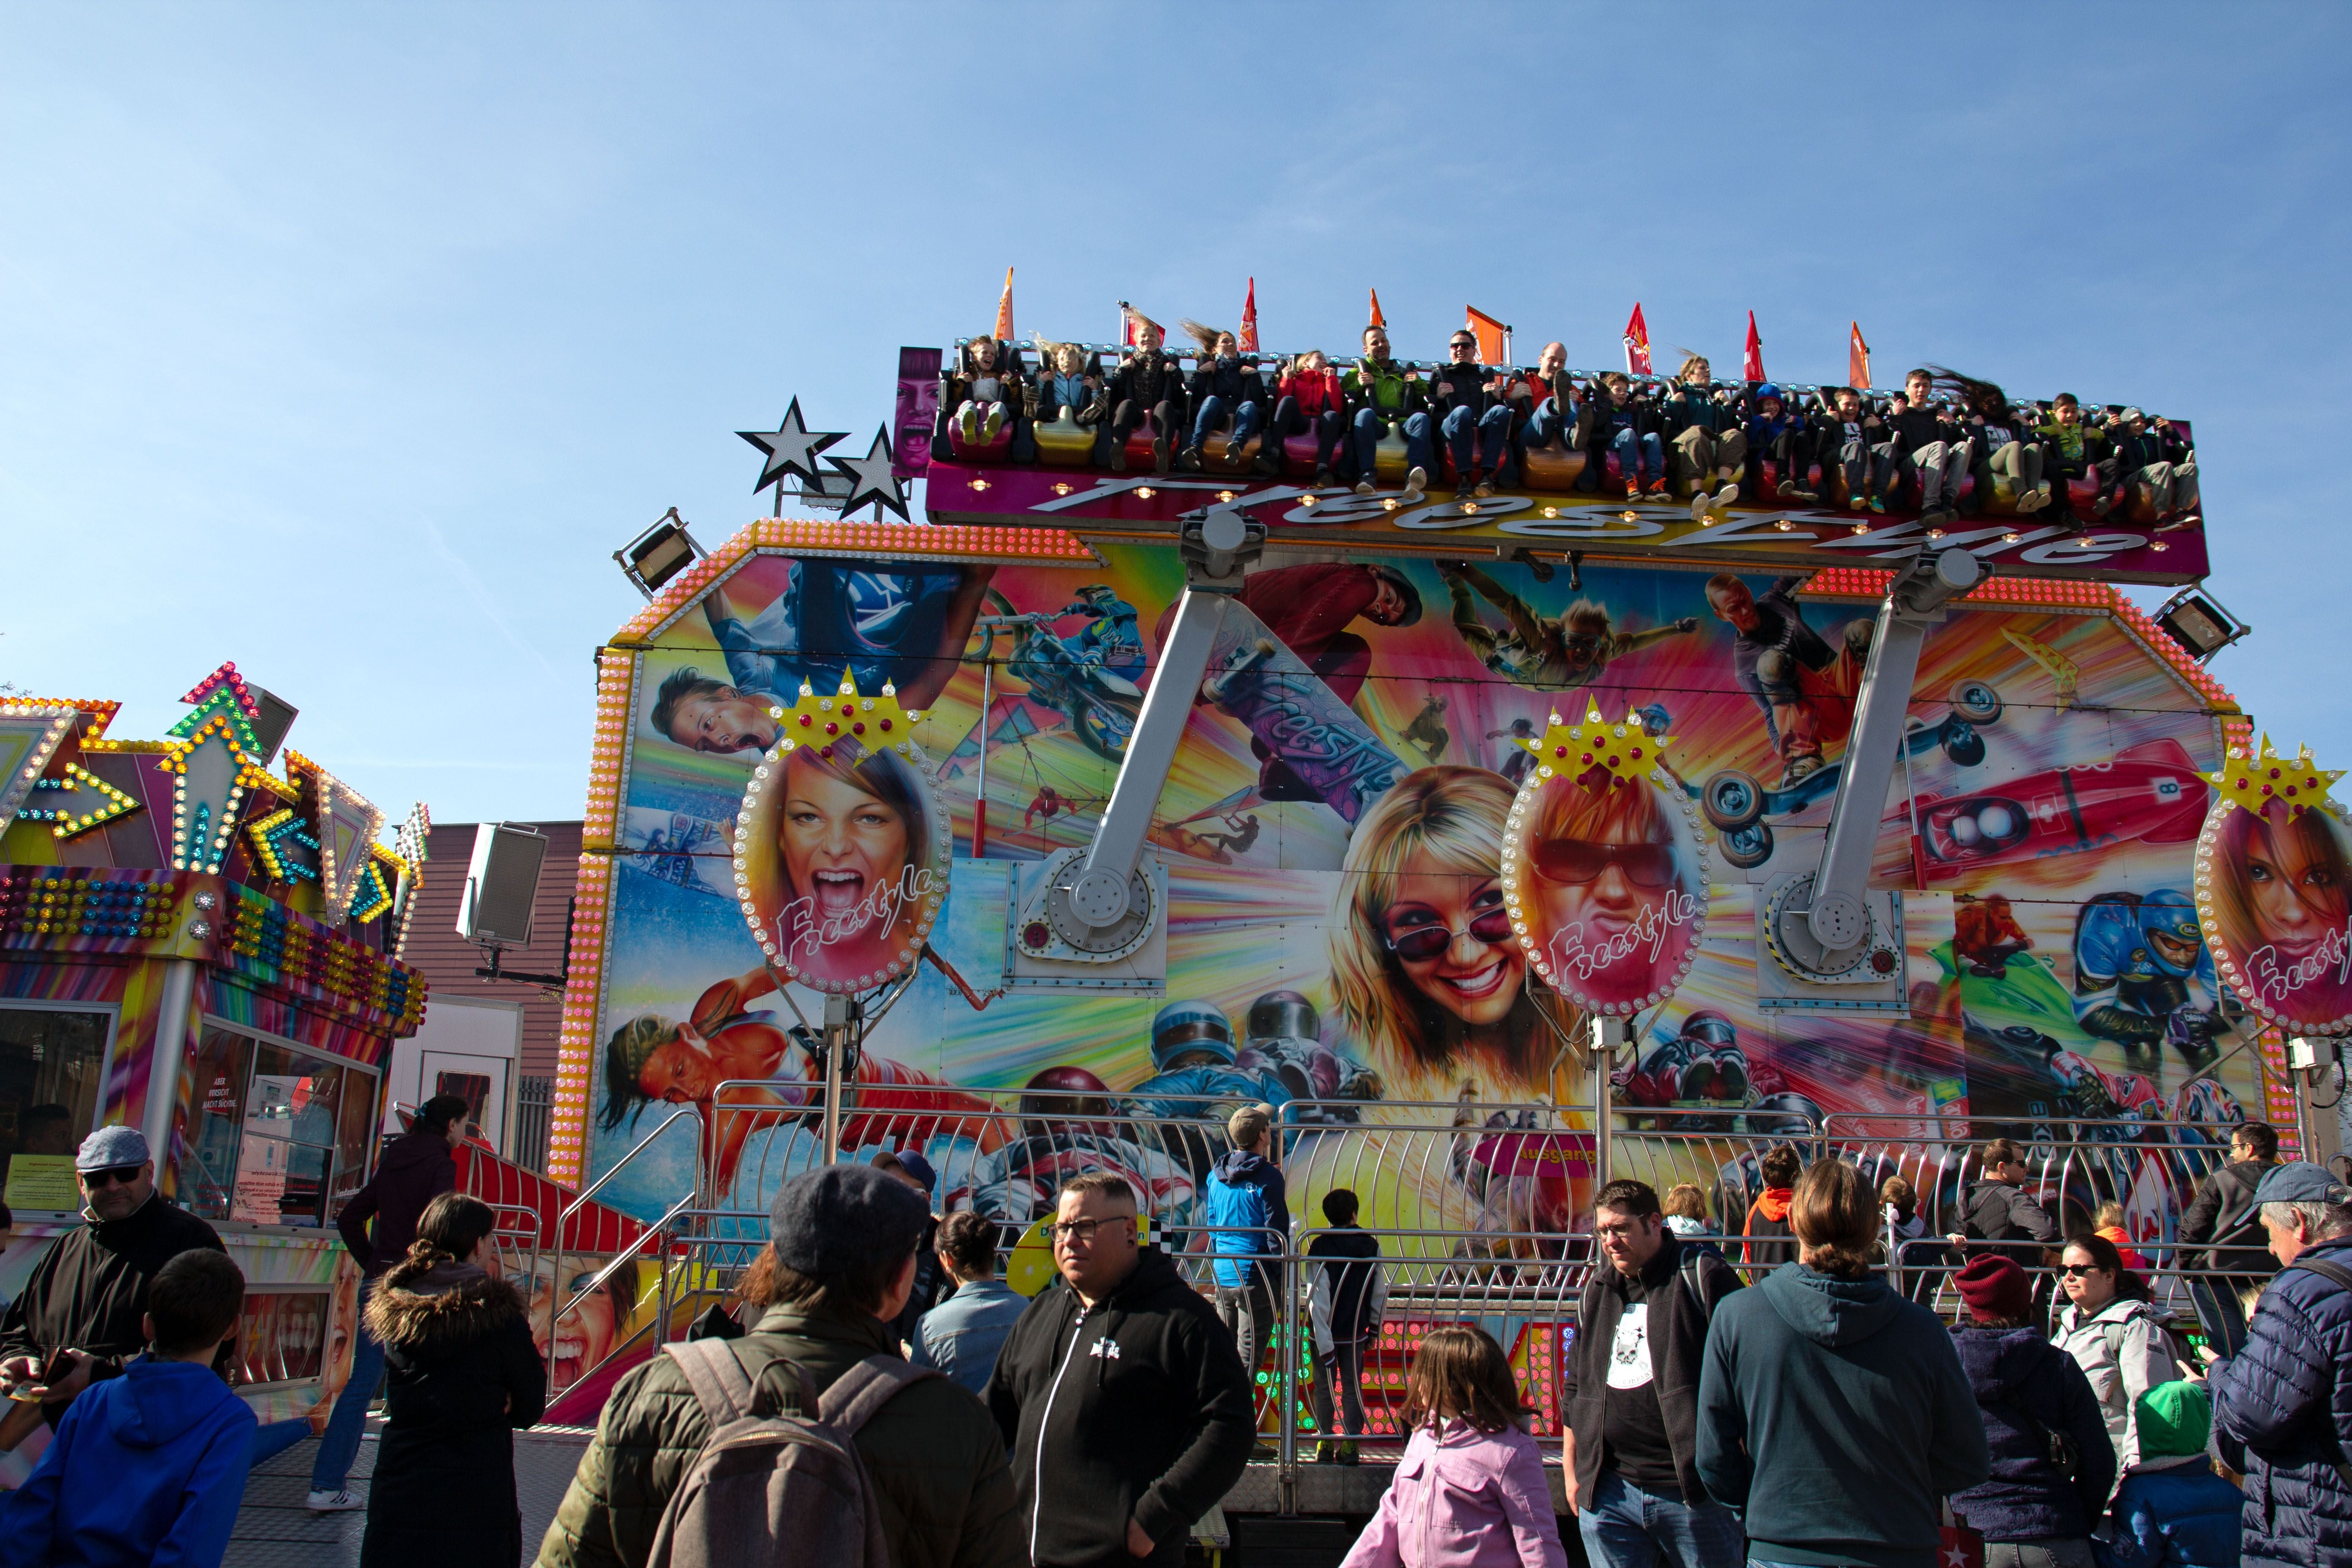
x=1378, y=319
x=1857, y=360
x=1004, y=310
x=1494, y=337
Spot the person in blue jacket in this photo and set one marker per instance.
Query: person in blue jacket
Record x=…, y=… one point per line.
x=147, y=1467
x=2173, y=1511
x=1247, y=1203
x=2283, y=1406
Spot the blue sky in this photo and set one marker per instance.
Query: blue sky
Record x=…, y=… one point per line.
x=348, y=342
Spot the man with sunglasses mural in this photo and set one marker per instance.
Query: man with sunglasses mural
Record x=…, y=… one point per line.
x=1543, y=653
x=77, y=1319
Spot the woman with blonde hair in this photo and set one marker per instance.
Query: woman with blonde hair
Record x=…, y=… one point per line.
x=1428, y=976
x=2282, y=911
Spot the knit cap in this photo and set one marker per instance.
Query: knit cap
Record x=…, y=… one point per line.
x=1993, y=1286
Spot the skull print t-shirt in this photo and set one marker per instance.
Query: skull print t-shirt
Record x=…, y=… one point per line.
x=1634, y=1430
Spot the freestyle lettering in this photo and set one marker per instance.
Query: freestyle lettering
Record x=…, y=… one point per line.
x=1572, y=956
x=800, y=934
x=2277, y=981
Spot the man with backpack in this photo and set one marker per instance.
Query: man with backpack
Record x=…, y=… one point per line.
x=2225, y=1221
x=1120, y=1394
x=811, y=1422
x=1630, y=1453
x=2282, y=1406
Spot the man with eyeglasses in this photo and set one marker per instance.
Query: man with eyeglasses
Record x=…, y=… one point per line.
x=1630, y=1453
x=1118, y=1392
x=77, y=1319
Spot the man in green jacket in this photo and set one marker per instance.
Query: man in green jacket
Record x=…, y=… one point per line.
x=837, y=1272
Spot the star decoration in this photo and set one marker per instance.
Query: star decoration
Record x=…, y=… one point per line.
x=844, y=718
x=1596, y=753
x=2260, y=780
x=792, y=449
x=870, y=479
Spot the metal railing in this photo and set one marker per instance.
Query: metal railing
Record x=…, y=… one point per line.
x=534, y=1110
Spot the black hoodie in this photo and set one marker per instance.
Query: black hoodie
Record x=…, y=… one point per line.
x=415, y=1169
x=1136, y=1407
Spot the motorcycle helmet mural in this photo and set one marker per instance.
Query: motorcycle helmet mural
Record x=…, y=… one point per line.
x=1283, y=1015
x=1184, y=1030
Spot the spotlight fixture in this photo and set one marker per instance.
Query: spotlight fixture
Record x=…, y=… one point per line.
x=658, y=554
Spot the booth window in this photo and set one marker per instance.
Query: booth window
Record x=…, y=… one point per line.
x=52, y=1070
x=271, y=1133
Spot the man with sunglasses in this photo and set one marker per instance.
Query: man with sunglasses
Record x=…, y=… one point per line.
x=77, y=1319
x=1118, y=1385
x=1470, y=403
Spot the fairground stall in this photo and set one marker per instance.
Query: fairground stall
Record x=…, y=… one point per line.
x=203, y=941
x=1507, y=800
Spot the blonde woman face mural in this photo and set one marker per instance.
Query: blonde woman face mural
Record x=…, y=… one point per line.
x=1426, y=972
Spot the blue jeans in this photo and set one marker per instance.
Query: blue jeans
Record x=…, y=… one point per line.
x=1625, y=1527
x=341, y=1446
x=1650, y=450
x=1493, y=427
x=1211, y=419
x=1371, y=427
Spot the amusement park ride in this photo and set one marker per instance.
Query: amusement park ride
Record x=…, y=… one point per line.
x=1509, y=803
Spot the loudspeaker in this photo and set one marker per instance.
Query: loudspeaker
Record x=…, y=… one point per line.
x=277, y=717
x=501, y=884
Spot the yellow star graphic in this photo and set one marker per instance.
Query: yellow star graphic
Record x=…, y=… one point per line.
x=2260, y=779
x=847, y=718
x=1601, y=755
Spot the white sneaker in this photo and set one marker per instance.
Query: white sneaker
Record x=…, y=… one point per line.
x=337, y=1502
x=1416, y=485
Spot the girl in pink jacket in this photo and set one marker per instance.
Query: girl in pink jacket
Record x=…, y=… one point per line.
x=1470, y=1492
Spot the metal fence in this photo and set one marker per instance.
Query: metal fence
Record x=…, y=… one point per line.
x=534, y=1108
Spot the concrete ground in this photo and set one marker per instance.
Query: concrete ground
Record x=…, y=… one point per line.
x=275, y=1531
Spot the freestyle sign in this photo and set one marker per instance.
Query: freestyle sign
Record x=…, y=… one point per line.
x=1802, y=536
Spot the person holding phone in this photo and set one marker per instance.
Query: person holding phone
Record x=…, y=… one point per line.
x=79, y=1317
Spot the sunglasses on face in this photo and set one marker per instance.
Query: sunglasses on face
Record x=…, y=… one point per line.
x=113, y=1175
x=2074, y=1271
x=1423, y=942
x=1575, y=860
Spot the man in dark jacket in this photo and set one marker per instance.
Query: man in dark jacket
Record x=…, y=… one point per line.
x=2225, y=1211
x=1148, y=381
x=1632, y=1393
x=2282, y=1406
x=1469, y=403
x=1118, y=1392
x=2001, y=1212
x=838, y=1266
x=414, y=1169
x=78, y=1319
x=1928, y=446
x=1831, y=1411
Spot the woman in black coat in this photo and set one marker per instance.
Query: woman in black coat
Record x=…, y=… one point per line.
x=460, y=1374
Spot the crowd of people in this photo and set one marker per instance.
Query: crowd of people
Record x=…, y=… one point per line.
x=1770, y=1397
x=1942, y=445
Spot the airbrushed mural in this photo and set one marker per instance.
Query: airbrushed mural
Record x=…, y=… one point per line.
x=1337, y=937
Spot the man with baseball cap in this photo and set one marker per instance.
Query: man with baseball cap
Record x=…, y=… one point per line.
x=2283, y=1406
x=829, y=1285
x=78, y=1319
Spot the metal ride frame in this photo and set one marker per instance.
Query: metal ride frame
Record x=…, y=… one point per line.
x=1472, y=1256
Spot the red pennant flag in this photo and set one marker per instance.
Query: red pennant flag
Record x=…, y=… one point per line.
x=1494, y=337
x=1637, y=344
x=1004, y=310
x=1378, y=319
x=1751, y=368
x=1249, y=335
x=1857, y=360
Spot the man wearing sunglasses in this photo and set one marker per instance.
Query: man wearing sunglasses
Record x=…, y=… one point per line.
x=79, y=1316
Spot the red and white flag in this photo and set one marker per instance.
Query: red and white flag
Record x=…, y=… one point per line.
x=1857, y=360
x=1004, y=310
x=1637, y=344
x=1247, y=337
x=1751, y=365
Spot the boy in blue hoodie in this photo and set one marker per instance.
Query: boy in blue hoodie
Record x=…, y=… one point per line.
x=2173, y=1511
x=147, y=1467
x=1247, y=1205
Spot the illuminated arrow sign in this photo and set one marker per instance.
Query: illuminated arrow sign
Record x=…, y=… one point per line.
x=29, y=735
x=77, y=803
